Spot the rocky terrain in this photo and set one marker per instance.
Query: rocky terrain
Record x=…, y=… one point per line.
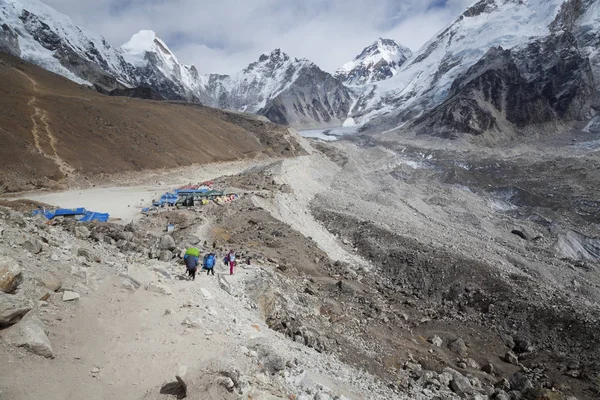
x=431, y=273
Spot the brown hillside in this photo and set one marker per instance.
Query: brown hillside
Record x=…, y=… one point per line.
x=52, y=128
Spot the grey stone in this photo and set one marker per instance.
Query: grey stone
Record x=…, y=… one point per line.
x=436, y=341
x=460, y=384
x=12, y=308
x=488, y=368
x=10, y=275
x=458, y=346
x=166, y=242
x=162, y=272
x=165, y=256
x=70, y=296
x=500, y=395
x=85, y=253
x=32, y=245
x=226, y=286
x=29, y=333
x=520, y=382
x=193, y=321
x=81, y=232
x=511, y=358
x=158, y=288
x=226, y=382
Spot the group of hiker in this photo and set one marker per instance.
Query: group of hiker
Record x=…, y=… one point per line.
x=192, y=261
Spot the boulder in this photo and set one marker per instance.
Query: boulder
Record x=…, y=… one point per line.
x=12, y=308
x=29, y=333
x=520, y=382
x=130, y=284
x=162, y=272
x=488, y=368
x=10, y=275
x=511, y=358
x=207, y=295
x=165, y=256
x=179, y=387
x=85, y=253
x=522, y=346
x=193, y=321
x=166, y=242
x=460, y=384
x=32, y=245
x=158, y=288
x=70, y=296
x=458, y=346
x=51, y=283
x=224, y=285
x=436, y=341
x=81, y=232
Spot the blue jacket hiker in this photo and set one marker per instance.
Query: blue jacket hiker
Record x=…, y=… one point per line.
x=209, y=263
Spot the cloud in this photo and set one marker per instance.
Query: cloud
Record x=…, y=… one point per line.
x=225, y=36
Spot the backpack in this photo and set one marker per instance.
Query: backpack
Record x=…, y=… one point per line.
x=209, y=261
x=226, y=260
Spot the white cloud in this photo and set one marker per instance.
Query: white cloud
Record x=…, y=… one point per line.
x=224, y=36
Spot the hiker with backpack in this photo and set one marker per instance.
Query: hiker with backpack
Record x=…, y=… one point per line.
x=230, y=259
x=209, y=264
x=192, y=259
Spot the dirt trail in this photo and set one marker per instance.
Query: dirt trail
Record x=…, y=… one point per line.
x=40, y=123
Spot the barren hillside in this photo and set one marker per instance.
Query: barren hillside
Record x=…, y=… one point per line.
x=51, y=129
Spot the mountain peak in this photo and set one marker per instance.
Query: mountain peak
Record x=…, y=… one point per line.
x=275, y=55
x=146, y=41
x=376, y=62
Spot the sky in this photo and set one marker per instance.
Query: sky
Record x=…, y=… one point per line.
x=224, y=36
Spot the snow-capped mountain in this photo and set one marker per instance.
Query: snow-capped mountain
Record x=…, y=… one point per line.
x=377, y=62
x=156, y=66
x=483, y=72
x=37, y=33
x=425, y=80
x=287, y=91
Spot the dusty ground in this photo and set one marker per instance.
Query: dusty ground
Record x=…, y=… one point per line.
x=364, y=256
x=55, y=133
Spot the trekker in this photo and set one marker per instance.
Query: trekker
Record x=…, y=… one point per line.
x=192, y=259
x=209, y=264
x=231, y=260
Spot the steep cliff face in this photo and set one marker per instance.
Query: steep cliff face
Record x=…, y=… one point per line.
x=302, y=104
x=547, y=81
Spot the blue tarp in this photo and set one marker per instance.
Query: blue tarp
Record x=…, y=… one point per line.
x=81, y=214
x=94, y=216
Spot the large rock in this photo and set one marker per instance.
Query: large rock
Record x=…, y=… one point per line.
x=12, y=308
x=158, y=288
x=70, y=296
x=511, y=358
x=32, y=245
x=520, y=382
x=166, y=242
x=81, y=232
x=29, y=333
x=10, y=275
x=460, y=384
x=459, y=346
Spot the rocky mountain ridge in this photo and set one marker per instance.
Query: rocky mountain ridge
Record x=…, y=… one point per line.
x=386, y=87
